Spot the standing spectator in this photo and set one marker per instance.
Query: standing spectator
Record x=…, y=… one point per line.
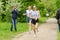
x=14, y=17
x=58, y=18
x=28, y=19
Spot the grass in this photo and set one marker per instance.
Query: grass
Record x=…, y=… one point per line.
x=6, y=34
x=42, y=19
x=58, y=36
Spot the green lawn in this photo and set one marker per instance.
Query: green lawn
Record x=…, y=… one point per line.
x=6, y=34
x=58, y=36
x=42, y=19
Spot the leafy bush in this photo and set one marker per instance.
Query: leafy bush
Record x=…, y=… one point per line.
x=44, y=6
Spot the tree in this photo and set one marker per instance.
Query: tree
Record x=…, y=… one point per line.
x=45, y=6
x=50, y=5
x=58, y=3
x=1, y=10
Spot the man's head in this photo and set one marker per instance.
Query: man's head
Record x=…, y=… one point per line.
x=14, y=7
x=34, y=7
x=29, y=7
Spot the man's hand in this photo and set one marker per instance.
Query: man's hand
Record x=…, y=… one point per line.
x=36, y=18
x=24, y=14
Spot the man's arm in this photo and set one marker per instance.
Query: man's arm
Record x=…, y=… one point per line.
x=17, y=12
x=24, y=13
x=38, y=14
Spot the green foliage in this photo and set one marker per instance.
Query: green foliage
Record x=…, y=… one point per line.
x=50, y=6
x=42, y=19
x=45, y=6
x=58, y=3
x=58, y=38
x=5, y=33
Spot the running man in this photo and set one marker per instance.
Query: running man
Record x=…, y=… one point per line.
x=28, y=19
x=35, y=16
x=14, y=17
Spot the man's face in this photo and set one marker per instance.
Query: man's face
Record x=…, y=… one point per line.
x=34, y=7
x=14, y=7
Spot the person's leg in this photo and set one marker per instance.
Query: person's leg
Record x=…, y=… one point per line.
x=11, y=28
x=11, y=25
x=36, y=27
x=34, y=24
x=59, y=27
x=29, y=26
x=15, y=25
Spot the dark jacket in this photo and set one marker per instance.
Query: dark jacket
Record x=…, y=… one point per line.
x=58, y=15
x=14, y=14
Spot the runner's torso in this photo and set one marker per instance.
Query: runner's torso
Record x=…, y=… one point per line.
x=35, y=14
x=28, y=12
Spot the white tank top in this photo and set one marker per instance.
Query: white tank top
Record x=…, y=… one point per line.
x=28, y=12
x=35, y=14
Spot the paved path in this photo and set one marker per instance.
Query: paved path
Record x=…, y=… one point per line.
x=47, y=31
